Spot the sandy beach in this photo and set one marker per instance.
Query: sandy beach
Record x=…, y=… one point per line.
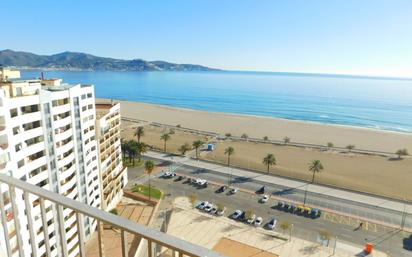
x=369, y=173
x=254, y=126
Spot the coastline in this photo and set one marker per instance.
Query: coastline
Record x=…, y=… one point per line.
x=275, y=128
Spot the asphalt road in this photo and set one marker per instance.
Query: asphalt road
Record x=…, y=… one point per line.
x=391, y=241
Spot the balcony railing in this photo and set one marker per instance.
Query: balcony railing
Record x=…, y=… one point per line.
x=150, y=236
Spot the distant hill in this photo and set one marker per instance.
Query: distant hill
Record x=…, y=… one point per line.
x=82, y=61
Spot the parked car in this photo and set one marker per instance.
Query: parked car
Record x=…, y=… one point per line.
x=202, y=183
x=234, y=190
x=169, y=174
x=280, y=205
x=258, y=221
x=264, y=199
x=202, y=205
x=180, y=178
x=221, y=189
x=237, y=214
x=261, y=190
x=315, y=213
x=251, y=219
x=221, y=212
x=272, y=224
x=208, y=207
x=213, y=210
x=292, y=208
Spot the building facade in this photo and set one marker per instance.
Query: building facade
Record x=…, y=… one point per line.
x=112, y=172
x=48, y=138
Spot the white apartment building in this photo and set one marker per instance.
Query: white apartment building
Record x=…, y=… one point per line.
x=112, y=172
x=47, y=138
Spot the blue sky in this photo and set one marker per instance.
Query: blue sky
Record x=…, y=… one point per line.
x=371, y=37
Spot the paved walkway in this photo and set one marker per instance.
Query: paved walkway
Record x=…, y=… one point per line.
x=318, y=189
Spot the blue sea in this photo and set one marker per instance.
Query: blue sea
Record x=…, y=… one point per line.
x=365, y=102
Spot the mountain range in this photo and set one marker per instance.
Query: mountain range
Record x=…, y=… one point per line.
x=83, y=61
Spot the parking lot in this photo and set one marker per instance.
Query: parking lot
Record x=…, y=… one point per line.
x=303, y=227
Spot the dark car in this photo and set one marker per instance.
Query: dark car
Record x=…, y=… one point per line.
x=261, y=190
x=221, y=189
x=180, y=178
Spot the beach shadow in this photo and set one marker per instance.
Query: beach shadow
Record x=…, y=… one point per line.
x=385, y=236
x=395, y=159
x=310, y=249
x=286, y=191
x=362, y=254
x=200, y=171
x=240, y=180
x=165, y=163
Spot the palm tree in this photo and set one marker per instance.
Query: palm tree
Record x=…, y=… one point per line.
x=401, y=152
x=139, y=133
x=350, y=147
x=197, y=144
x=266, y=138
x=329, y=144
x=184, y=148
x=286, y=140
x=269, y=160
x=245, y=136
x=149, y=166
x=141, y=149
x=165, y=137
x=229, y=151
x=132, y=151
x=315, y=166
x=124, y=146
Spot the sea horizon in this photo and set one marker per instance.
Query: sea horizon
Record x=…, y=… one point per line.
x=358, y=101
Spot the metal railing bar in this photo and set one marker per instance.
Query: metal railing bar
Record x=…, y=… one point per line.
x=80, y=233
x=30, y=224
x=149, y=248
x=4, y=222
x=100, y=238
x=124, y=244
x=45, y=227
x=158, y=237
x=12, y=192
x=62, y=230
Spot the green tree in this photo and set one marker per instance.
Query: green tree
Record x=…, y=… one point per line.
x=249, y=214
x=220, y=206
x=350, y=147
x=245, y=136
x=141, y=149
x=229, y=151
x=165, y=137
x=139, y=133
x=228, y=135
x=193, y=199
x=286, y=140
x=132, y=150
x=184, y=148
x=149, y=167
x=124, y=146
x=284, y=225
x=197, y=144
x=269, y=160
x=266, y=138
x=329, y=144
x=402, y=152
x=315, y=166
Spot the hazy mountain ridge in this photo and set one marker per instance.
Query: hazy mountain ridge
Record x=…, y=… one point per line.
x=83, y=61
